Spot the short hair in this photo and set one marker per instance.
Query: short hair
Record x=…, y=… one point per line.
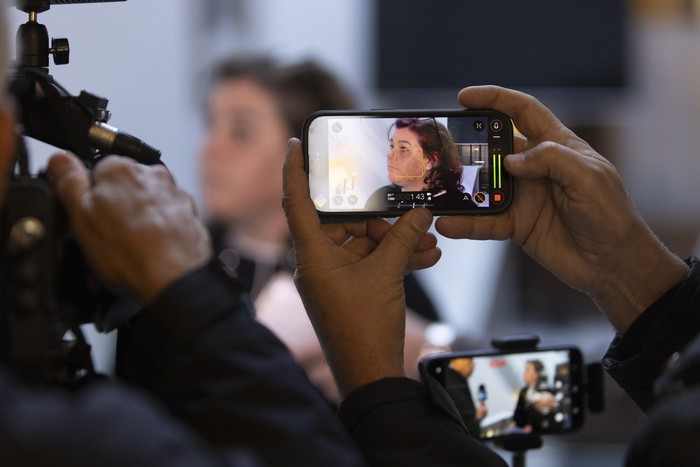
x=299, y=88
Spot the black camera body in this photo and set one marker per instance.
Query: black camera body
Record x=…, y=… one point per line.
x=46, y=285
x=45, y=288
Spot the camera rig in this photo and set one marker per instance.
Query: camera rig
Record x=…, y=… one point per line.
x=46, y=287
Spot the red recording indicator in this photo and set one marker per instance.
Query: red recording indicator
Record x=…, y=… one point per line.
x=497, y=197
x=497, y=363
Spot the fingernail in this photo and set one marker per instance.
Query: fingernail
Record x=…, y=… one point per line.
x=56, y=164
x=421, y=219
x=515, y=157
x=511, y=161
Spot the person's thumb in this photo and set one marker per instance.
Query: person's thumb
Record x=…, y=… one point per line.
x=402, y=240
x=70, y=180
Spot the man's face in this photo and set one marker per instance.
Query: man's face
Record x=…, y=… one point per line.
x=463, y=366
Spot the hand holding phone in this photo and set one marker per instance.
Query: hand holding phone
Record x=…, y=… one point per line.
x=380, y=163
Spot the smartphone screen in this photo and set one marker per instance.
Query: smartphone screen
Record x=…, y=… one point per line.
x=507, y=394
x=380, y=163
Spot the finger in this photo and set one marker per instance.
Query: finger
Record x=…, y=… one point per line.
x=336, y=232
x=400, y=242
x=126, y=171
x=301, y=214
x=423, y=259
x=70, y=180
x=519, y=143
x=577, y=174
x=532, y=119
x=495, y=227
x=554, y=161
x=108, y=165
x=360, y=246
x=377, y=228
x=362, y=242
x=427, y=242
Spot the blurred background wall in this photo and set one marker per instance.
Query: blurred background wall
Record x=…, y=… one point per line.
x=631, y=89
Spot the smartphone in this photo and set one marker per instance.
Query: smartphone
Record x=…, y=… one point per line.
x=381, y=163
x=504, y=394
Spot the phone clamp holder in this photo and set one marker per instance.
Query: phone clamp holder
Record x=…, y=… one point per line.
x=593, y=388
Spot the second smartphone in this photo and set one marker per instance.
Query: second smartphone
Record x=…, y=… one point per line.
x=503, y=394
x=381, y=163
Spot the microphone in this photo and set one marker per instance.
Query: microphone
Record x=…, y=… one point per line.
x=110, y=140
x=74, y=123
x=482, y=395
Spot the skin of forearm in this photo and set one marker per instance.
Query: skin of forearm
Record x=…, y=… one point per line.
x=647, y=272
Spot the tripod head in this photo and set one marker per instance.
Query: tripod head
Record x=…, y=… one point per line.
x=33, y=39
x=49, y=113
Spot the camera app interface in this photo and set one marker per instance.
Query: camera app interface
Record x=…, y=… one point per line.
x=369, y=163
x=501, y=395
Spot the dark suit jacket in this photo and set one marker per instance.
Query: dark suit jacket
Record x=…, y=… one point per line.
x=458, y=389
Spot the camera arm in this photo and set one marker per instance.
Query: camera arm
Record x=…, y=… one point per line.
x=76, y=124
x=49, y=113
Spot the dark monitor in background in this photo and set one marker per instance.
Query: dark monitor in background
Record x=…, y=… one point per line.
x=439, y=44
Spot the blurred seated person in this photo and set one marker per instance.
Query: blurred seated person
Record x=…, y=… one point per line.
x=253, y=106
x=422, y=156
